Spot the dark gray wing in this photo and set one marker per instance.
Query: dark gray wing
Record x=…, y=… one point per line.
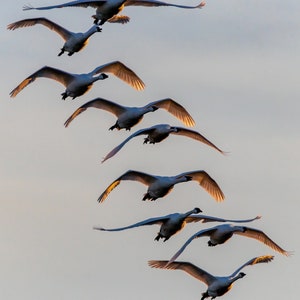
x=78, y=3
x=207, y=183
x=129, y=175
x=189, y=268
x=99, y=103
x=154, y=3
x=253, y=261
x=64, y=33
x=151, y=221
x=175, y=109
x=196, y=136
x=48, y=72
x=120, y=146
x=204, y=232
x=206, y=219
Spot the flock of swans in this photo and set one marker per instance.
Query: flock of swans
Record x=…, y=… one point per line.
x=127, y=117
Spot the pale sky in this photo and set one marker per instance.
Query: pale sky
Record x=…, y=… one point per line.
x=234, y=65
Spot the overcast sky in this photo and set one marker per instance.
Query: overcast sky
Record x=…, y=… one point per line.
x=234, y=65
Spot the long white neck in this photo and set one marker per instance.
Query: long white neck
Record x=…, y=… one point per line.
x=91, y=31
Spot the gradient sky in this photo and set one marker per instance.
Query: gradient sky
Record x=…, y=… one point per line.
x=235, y=66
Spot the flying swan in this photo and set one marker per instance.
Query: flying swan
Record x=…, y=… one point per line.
x=173, y=223
x=158, y=133
x=127, y=117
x=222, y=233
x=78, y=84
x=107, y=10
x=160, y=186
x=74, y=42
x=216, y=285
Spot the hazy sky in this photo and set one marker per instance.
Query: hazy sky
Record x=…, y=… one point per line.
x=235, y=66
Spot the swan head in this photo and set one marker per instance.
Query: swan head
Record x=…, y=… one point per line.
x=154, y=108
x=242, y=274
x=102, y=76
x=188, y=178
x=197, y=210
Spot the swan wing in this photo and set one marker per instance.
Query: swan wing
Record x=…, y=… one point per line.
x=206, y=219
x=122, y=72
x=99, y=103
x=48, y=72
x=204, y=232
x=120, y=146
x=151, y=221
x=78, y=3
x=175, y=109
x=253, y=261
x=129, y=175
x=196, y=136
x=189, y=268
x=155, y=3
x=64, y=33
x=207, y=183
x=119, y=19
x=262, y=237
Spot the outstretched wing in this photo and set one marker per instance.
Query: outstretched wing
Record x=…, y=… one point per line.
x=119, y=147
x=206, y=219
x=207, y=183
x=262, y=237
x=119, y=19
x=48, y=72
x=151, y=221
x=175, y=109
x=204, y=232
x=129, y=175
x=64, y=33
x=78, y=3
x=99, y=103
x=196, y=136
x=254, y=261
x=154, y=3
x=122, y=72
x=189, y=268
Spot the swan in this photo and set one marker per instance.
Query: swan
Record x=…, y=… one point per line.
x=222, y=233
x=74, y=42
x=216, y=285
x=107, y=10
x=173, y=223
x=160, y=186
x=128, y=117
x=160, y=132
x=78, y=84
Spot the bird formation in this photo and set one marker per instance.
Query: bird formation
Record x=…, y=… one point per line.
x=158, y=186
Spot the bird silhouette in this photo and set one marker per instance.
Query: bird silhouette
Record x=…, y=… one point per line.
x=74, y=41
x=216, y=285
x=78, y=84
x=160, y=186
x=160, y=132
x=127, y=117
x=222, y=233
x=173, y=223
x=108, y=10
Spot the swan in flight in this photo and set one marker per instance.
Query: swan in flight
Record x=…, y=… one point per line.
x=128, y=117
x=216, y=285
x=160, y=186
x=222, y=233
x=74, y=41
x=78, y=84
x=173, y=223
x=158, y=133
x=107, y=10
